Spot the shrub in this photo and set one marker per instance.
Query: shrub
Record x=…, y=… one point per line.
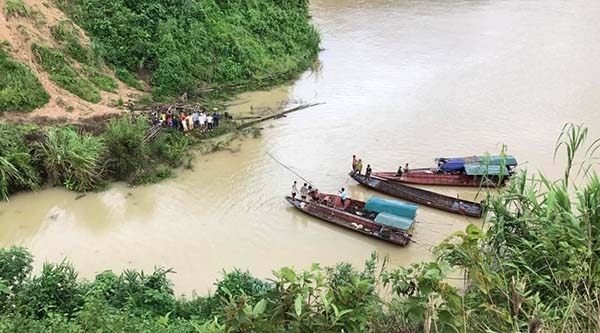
x=128, y=78
x=100, y=80
x=55, y=290
x=17, y=168
x=63, y=74
x=124, y=148
x=20, y=89
x=170, y=147
x=139, y=292
x=67, y=35
x=73, y=160
x=15, y=266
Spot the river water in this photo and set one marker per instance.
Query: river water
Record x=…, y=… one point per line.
x=403, y=81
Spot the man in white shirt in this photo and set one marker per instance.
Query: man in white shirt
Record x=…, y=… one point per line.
x=202, y=121
x=209, y=120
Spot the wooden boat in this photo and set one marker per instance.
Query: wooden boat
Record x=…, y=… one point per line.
x=355, y=217
x=420, y=196
x=475, y=171
x=431, y=177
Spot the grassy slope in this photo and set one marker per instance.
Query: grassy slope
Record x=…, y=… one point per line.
x=20, y=89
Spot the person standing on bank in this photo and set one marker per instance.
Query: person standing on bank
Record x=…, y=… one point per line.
x=294, y=190
x=216, y=117
x=303, y=192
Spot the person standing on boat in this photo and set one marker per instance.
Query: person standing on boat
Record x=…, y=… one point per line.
x=354, y=163
x=359, y=166
x=399, y=172
x=343, y=196
x=406, y=169
x=294, y=190
x=303, y=192
x=368, y=173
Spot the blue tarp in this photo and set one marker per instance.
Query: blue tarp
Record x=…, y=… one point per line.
x=395, y=207
x=454, y=164
x=394, y=221
x=458, y=163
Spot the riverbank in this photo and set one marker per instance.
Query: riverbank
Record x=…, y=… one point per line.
x=86, y=151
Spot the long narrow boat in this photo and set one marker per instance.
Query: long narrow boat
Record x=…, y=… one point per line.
x=374, y=218
x=420, y=196
x=475, y=171
x=432, y=177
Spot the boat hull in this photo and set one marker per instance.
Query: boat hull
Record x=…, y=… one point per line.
x=420, y=196
x=350, y=221
x=429, y=177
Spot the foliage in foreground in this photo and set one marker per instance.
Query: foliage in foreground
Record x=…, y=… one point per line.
x=185, y=44
x=20, y=89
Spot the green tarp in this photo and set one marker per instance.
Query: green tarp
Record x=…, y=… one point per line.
x=394, y=221
x=497, y=160
x=395, y=207
x=480, y=170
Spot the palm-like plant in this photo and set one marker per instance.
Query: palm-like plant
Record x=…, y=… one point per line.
x=16, y=162
x=72, y=159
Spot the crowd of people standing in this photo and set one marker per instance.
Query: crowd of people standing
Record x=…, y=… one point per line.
x=187, y=121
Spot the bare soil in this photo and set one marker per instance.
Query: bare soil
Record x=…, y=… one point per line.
x=63, y=106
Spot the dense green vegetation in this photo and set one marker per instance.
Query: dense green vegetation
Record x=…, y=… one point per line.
x=128, y=78
x=100, y=80
x=31, y=157
x=184, y=45
x=20, y=89
x=533, y=268
x=63, y=73
x=68, y=37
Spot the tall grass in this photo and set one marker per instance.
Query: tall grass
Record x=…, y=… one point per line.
x=539, y=260
x=72, y=159
x=20, y=89
x=62, y=73
x=17, y=166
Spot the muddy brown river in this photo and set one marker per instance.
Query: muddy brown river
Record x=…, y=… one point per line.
x=403, y=81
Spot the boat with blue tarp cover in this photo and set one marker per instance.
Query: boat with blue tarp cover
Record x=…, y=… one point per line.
x=394, y=221
x=421, y=196
x=388, y=220
x=395, y=207
x=475, y=171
